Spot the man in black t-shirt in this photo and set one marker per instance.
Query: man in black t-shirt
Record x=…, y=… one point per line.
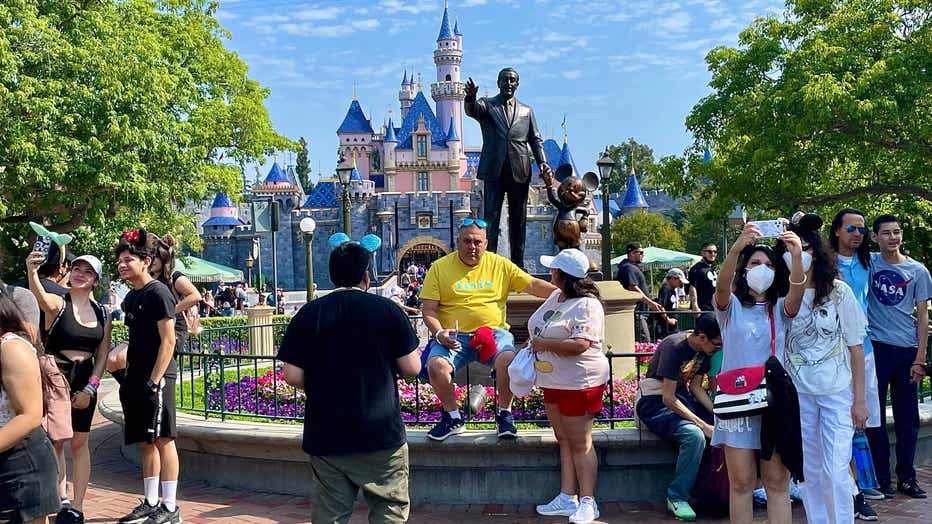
x=632, y=278
x=675, y=407
x=702, y=279
x=346, y=351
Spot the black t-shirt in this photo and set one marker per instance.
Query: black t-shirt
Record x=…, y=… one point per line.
x=630, y=274
x=347, y=344
x=675, y=360
x=144, y=308
x=703, y=277
x=668, y=299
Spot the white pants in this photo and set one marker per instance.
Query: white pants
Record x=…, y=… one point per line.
x=871, y=395
x=827, y=431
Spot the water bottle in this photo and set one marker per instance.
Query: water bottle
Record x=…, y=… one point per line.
x=863, y=462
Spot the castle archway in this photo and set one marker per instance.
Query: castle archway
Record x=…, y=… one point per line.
x=422, y=250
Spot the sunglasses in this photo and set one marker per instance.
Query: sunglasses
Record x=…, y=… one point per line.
x=852, y=228
x=477, y=221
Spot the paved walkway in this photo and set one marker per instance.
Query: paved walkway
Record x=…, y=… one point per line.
x=116, y=487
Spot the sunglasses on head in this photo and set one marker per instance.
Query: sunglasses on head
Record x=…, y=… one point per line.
x=852, y=228
x=477, y=221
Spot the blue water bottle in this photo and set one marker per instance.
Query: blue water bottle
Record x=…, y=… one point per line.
x=863, y=462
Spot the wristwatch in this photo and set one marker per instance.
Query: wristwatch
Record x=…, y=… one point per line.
x=153, y=386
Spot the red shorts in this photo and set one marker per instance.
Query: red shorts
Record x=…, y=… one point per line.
x=576, y=402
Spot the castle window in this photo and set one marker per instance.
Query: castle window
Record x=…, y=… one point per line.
x=422, y=146
x=449, y=78
x=423, y=181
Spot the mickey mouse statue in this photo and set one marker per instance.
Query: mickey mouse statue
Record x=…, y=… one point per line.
x=570, y=199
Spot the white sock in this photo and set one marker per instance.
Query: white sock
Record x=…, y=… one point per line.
x=169, y=489
x=587, y=500
x=455, y=413
x=150, y=487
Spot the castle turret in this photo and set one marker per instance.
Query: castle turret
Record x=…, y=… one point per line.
x=406, y=94
x=448, y=91
x=391, y=142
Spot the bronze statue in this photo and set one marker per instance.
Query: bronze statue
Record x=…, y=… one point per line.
x=509, y=137
x=571, y=201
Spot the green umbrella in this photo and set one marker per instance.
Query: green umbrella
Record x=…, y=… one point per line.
x=659, y=258
x=200, y=270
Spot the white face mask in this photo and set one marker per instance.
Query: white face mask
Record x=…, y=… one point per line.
x=760, y=278
x=807, y=261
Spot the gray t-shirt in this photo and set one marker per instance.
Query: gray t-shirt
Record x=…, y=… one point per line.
x=895, y=290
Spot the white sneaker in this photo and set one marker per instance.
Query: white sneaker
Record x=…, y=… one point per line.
x=558, y=506
x=587, y=512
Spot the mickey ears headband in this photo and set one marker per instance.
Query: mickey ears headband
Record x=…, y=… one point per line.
x=136, y=237
x=370, y=243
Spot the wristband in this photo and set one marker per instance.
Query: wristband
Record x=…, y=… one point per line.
x=94, y=381
x=90, y=390
x=805, y=278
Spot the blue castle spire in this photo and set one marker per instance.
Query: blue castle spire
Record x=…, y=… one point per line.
x=634, y=198
x=456, y=28
x=445, y=32
x=221, y=201
x=404, y=81
x=451, y=135
x=390, y=132
x=276, y=175
x=355, y=120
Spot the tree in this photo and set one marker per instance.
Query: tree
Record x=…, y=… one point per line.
x=114, y=114
x=828, y=108
x=650, y=229
x=631, y=156
x=303, y=167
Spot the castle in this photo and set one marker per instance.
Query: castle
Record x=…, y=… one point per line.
x=412, y=185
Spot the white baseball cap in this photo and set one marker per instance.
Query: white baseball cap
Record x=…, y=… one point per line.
x=92, y=261
x=573, y=262
x=677, y=273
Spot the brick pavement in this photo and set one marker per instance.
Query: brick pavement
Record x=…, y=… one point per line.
x=116, y=487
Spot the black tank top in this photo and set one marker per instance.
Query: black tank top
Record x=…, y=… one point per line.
x=68, y=334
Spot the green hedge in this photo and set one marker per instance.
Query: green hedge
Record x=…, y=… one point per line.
x=119, y=333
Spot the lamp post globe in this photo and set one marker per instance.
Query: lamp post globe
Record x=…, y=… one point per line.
x=307, y=226
x=606, y=164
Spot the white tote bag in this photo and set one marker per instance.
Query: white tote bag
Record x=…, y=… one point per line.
x=521, y=373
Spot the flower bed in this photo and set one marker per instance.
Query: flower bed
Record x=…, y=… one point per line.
x=270, y=396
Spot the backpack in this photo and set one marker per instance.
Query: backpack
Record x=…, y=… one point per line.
x=711, y=490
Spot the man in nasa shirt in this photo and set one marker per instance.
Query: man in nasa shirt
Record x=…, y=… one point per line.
x=898, y=285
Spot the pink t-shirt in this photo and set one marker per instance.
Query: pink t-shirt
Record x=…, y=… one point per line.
x=574, y=318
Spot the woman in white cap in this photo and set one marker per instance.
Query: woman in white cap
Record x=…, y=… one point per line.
x=78, y=337
x=566, y=335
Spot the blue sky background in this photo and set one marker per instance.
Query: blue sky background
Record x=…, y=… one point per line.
x=616, y=68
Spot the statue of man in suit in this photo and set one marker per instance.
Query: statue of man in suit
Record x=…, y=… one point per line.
x=509, y=136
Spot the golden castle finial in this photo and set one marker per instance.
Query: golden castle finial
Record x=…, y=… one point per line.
x=354, y=90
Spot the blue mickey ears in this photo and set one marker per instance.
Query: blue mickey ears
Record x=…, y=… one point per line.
x=371, y=243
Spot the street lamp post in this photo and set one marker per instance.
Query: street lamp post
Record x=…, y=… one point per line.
x=249, y=262
x=343, y=175
x=308, y=226
x=605, y=171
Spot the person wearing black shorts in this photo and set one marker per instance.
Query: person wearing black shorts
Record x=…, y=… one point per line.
x=149, y=382
x=77, y=334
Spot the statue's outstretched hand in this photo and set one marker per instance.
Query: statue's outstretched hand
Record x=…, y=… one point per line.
x=471, y=88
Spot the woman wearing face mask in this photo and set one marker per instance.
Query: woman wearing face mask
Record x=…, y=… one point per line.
x=752, y=316
x=825, y=358
x=78, y=336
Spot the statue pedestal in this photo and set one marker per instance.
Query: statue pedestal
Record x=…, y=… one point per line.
x=619, y=321
x=259, y=321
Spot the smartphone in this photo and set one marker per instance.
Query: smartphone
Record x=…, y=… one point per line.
x=42, y=245
x=770, y=228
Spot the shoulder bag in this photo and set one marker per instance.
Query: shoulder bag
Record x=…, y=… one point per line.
x=743, y=392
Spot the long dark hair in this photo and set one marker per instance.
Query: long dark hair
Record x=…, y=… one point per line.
x=863, y=252
x=164, y=251
x=743, y=291
x=824, y=267
x=575, y=287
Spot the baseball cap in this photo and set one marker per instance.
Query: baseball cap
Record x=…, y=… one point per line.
x=633, y=246
x=677, y=273
x=91, y=261
x=571, y=261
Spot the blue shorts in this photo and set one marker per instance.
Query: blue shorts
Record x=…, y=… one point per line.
x=465, y=355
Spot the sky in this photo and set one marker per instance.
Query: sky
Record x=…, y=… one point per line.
x=615, y=68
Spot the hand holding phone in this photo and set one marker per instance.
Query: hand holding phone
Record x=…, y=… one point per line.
x=42, y=245
x=770, y=228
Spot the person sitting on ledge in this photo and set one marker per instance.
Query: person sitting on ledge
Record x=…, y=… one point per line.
x=675, y=407
x=462, y=292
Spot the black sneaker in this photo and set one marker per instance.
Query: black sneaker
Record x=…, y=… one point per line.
x=888, y=491
x=163, y=516
x=69, y=515
x=911, y=489
x=863, y=510
x=506, y=424
x=139, y=514
x=872, y=494
x=446, y=427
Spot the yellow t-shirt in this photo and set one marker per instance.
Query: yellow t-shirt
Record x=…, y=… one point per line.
x=475, y=296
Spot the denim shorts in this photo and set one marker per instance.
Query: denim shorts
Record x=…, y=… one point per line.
x=465, y=355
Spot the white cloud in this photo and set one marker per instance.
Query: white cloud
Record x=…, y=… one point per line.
x=412, y=7
x=329, y=31
x=572, y=74
x=471, y=3
x=317, y=13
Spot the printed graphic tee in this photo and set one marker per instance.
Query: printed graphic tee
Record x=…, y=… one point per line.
x=674, y=360
x=895, y=289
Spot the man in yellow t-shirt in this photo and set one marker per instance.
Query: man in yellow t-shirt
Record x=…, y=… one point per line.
x=467, y=289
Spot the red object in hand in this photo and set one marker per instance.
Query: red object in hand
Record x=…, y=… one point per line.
x=483, y=343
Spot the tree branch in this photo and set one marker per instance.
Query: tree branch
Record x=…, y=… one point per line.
x=875, y=189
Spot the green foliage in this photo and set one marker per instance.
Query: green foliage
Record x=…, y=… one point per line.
x=303, y=167
x=113, y=114
x=829, y=108
x=237, y=323
x=631, y=156
x=650, y=229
